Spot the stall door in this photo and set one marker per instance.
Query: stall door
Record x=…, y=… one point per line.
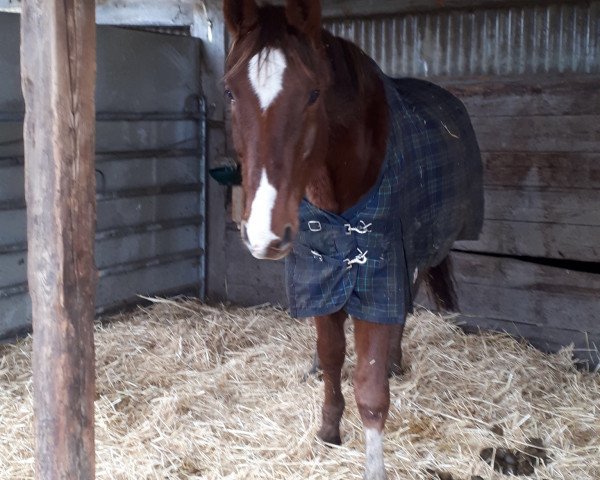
x=149, y=171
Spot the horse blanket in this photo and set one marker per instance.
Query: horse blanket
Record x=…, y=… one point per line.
x=429, y=194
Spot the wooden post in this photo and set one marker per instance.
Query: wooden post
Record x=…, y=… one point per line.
x=58, y=65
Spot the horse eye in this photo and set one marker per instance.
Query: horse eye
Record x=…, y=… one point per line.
x=229, y=95
x=314, y=96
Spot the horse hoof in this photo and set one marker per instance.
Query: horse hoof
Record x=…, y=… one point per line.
x=330, y=439
x=313, y=373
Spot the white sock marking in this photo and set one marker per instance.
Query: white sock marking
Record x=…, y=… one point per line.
x=258, y=228
x=375, y=469
x=265, y=71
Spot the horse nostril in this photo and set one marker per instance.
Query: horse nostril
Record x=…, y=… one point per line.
x=287, y=237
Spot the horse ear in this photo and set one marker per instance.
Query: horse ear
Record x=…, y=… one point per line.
x=240, y=15
x=305, y=15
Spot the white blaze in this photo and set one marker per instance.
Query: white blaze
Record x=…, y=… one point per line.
x=265, y=71
x=374, y=469
x=258, y=228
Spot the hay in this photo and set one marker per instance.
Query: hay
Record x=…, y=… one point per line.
x=187, y=391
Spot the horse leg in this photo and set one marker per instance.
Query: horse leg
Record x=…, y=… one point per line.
x=395, y=358
x=372, y=389
x=441, y=286
x=331, y=350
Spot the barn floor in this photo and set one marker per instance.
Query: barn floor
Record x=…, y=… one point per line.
x=187, y=391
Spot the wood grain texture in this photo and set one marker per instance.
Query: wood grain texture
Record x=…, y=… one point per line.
x=543, y=205
x=548, y=95
x=538, y=133
x=566, y=170
x=541, y=240
x=58, y=45
x=541, y=154
x=213, y=67
x=549, y=307
x=528, y=293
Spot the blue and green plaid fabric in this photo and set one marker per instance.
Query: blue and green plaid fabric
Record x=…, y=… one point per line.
x=429, y=194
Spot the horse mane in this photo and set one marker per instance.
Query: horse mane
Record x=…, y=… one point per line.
x=271, y=30
x=352, y=69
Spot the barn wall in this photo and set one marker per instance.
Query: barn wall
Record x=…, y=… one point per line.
x=530, y=78
x=149, y=182
x=529, y=40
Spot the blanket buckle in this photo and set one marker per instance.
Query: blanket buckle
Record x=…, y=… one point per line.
x=362, y=229
x=360, y=259
x=314, y=226
x=317, y=255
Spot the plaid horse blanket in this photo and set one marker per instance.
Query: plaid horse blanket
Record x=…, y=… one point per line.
x=429, y=194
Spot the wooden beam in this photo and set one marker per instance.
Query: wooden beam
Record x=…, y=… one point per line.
x=210, y=27
x=58, y=68
x=133, y=12
x=145, y=12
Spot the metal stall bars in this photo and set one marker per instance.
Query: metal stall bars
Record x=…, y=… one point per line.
x=150, y=163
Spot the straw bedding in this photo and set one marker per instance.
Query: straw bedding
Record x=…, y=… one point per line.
x=186, y=391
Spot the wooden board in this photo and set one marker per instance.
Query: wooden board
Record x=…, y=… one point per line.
x=548, y=95
x=540, y=140
x=543, y=205
x=541, y=240
x=538, y=133
x=58, y=70
x=237, y=204
x=528, y=293
x=550, y=307
x=543, y=170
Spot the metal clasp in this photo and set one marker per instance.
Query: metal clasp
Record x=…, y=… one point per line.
x=314, y=226
x=317, y=255
x=360, y=259
x=362, y=229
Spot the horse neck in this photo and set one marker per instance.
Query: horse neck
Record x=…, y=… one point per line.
x=358, y=130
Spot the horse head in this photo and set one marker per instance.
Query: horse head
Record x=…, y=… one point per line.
x=277, y=76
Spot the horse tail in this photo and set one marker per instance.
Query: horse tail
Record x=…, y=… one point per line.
x=440, y=283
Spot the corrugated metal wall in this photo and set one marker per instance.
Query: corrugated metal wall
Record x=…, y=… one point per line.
x=149, y=171
x=501, y=41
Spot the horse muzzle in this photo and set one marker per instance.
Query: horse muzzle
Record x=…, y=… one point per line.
x=273, y=249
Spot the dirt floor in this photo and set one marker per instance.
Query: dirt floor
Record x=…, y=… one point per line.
x=186, y=391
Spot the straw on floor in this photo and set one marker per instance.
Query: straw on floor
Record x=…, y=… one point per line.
x=186, y=391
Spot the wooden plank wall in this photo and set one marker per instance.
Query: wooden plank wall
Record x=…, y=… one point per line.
x=535, y=271
x=541, y=148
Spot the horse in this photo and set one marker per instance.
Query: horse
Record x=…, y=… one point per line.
x=362, y=182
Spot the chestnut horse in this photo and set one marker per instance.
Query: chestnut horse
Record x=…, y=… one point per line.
x=325, y=140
